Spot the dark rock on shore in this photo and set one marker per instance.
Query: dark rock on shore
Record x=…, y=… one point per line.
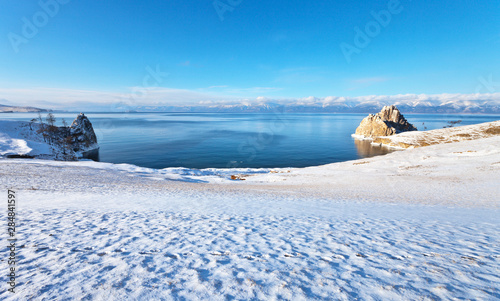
x=82, y=134
x=72, y=142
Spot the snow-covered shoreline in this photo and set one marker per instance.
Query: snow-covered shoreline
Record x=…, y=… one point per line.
x=26, y=139
x=416, y=224
x=439, y=136
x=455, y=174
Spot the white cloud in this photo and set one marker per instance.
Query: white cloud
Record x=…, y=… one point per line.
x=55, y=98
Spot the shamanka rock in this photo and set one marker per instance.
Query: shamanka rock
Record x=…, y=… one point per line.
x=387, y=122
x=82, y=134
x=48, y=141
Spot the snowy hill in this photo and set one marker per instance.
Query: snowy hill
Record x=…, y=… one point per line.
x=440, y=136
x=14, y=109
x=16, y=138
x=27, y=139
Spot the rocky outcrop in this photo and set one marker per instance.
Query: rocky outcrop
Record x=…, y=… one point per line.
x=387, y=122
x=45, y=140
x=441, y=136
x=82, y=134
x=76, y=141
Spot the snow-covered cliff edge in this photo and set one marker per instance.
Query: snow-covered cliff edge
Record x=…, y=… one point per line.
x=440, y=136
x=41, y=140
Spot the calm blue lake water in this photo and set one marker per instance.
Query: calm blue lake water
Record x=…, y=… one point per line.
x=202, y=140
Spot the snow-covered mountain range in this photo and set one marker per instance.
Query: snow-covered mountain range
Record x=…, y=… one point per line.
x=329, y=105
x=480, y=103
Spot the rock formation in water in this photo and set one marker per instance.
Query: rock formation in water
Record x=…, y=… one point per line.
x=73, y=142
x=387, y=122
x=45, y=140
x=82, y=134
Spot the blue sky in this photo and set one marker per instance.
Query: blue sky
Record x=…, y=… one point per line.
x=246, y=49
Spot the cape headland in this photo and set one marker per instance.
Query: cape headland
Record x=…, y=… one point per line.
x=440, y=136
x=389, y=128
x=40, y=138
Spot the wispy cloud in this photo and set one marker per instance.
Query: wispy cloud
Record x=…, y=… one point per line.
x=58, y=98
x=55, y=98
x=423, y=99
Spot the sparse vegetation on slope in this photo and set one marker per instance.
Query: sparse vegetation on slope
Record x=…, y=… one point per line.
x=440, y=136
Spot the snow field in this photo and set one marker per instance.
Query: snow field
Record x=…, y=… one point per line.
x=420, y=224
x=125, y=255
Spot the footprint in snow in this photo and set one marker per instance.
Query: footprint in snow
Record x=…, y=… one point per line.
x=42, y=248
x=470, y=258
x=149, y=252
x=215, y=253
x=431, y=254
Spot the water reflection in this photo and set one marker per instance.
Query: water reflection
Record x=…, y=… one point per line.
x=366, y=149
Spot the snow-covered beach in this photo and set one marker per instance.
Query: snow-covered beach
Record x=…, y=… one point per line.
x=419, y=224
x=250, y=150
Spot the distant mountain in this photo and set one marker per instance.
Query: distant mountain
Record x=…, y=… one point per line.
x=322, y=106
x=13, y=109
x=407, y=104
